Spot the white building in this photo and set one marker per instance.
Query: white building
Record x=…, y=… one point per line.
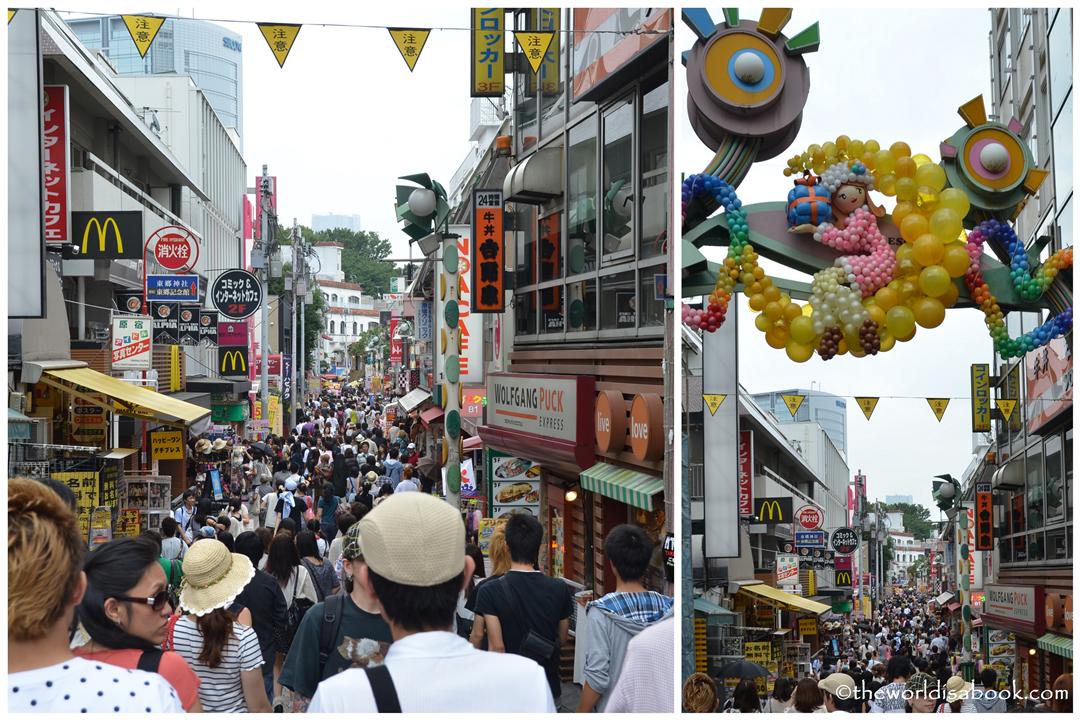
x=897, y=499
x=906, y=550
x=329, y=264
x=349, y=311
x=332, y=221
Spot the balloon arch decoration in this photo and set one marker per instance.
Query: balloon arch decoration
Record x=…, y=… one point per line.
x=877, y=276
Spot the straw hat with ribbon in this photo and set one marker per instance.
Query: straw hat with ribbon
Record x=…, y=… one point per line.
x=203, y=446
x=219, y=445
x=213, y=577
x=957, y=689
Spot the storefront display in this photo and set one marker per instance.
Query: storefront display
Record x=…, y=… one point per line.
x=150, y=495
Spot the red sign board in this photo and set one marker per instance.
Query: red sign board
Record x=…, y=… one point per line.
x=395, y=343
x=57, y=149
x=274, y=368
x=233, y=333
x=842, y=562
x=175, y=248
x=473, y=401
x=808, y=517
x=746, y=474
x=488, y=262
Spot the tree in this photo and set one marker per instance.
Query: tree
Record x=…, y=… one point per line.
x=313, y=315
x=916, y=519
x=363, y=259
x=370, y=339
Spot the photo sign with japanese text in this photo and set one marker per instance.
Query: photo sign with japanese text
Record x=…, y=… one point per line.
x=488, y=261
x=190, y=328
x=208, y=327
x=236, y=294
x=172, y=288
x=166, y=322
x=132, y=345
x=844, y=540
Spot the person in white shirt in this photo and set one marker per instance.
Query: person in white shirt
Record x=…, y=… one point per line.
x=184, y=516
x=413, y=545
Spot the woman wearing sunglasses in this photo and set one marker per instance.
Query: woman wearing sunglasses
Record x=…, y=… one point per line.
x=125, y=612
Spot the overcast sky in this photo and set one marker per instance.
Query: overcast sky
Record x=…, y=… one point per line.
x=888, y=75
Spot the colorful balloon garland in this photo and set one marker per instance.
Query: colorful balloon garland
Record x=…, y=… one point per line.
x=897, y=292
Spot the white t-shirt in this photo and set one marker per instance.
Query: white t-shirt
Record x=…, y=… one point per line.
x=495, y=682
x=221, y=689
x=78, y=685
x=270, y=502
x=172, y=548
x=301, y=581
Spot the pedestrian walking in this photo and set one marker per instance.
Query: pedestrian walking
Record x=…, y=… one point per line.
x=263, y=597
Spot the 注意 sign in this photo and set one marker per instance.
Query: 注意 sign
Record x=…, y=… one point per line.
x=132, y=347
x=236, y=294
x=488, y=262
x=174, y=248
x=57, y=152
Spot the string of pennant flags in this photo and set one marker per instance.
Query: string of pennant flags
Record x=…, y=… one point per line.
x=868, y=404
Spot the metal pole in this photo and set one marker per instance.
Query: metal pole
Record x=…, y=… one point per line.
x=295, y=301
x=452, y=387
x=264, y=243
x=303, y=336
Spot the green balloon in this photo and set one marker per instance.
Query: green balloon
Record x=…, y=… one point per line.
x=964, y=552
x=965, y=582
x=967, y=643
x=451, y=314
x=453, y=369
x=450, y=257
x=453, y=478
x=453, y=425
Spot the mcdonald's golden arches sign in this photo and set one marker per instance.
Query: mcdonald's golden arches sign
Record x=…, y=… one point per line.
x=108, y=235
x=773, y=510
x=233, y=361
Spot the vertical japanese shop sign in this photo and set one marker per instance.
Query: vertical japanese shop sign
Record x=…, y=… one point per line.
x=746, y=473
x=57, y=165
x=488, y=261
x=84, y=485
x=395, y=343
x=131, y=343
x=470, y=324
x=984, y=517
x=166, y=323
x=488, y=73
x=980, y=398
x=208, y=327
x=547, y=20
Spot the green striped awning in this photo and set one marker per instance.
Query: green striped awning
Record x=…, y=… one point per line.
x=627, y=486
x=1056, y=644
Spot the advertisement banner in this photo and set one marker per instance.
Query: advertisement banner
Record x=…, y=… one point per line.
x=980, y=397
x=84, y=484
x=208, y=327
x=286, y=378
x=88, y=422
x=984, y=517
x=167, y=288
x=108, y=235
x=233, y=362
x=810, y=538
x=746, y=473
x=470, y=324
x=132, y=344
x=473, y=402
x=606, y=40
x=395, y=343
x=57, y=144
x=128, y=522
x=100, y=525
x=1049, y=383
x=488, y=259
x=190, y=329
x=776, y=510
x=237, y=294
x=167, y=445
x=787, y=569
x=545, y=405
x=488, y=64
x=468, y=479
x=232, y=333
x=166, y=323
x=721, y=442
x=424, y=324
x=808, y=626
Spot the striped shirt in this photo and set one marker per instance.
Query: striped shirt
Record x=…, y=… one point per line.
x=642, y=607
x=221, y=689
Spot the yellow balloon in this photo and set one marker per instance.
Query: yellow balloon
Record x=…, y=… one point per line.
x=857, y=351
x=901, y=211
x=888, y=341
x=884, y=162
x=905, y=167
x=929, y=312
x=872, y=146
x=900, y=320
x=876, y=314
x=808, y=310
x=763, y=323
x=904, y=251
x=799, y=352
x=802, y=330
x=777, y=337
x=774, y=311
x=868, y=159
x=951, y=296
x=955, y=199
x=841, y=347
x=900, y=149
x=772, y=294
x=829, y=148
x=913, y=225
x=907, y=266
x=792, y=311
x=956, y=260
x=856, y=148
x=931, y=175
x=886, y=298
x=946, y=224
x=920, y=159
x=928, y=249
x=887, y=185
x=906, y=189
x=910, y=335
x=757, y=302
x=842, y=142
x=934, y=281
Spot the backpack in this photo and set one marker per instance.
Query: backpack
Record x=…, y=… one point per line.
x=173, y=576
x=333, y=609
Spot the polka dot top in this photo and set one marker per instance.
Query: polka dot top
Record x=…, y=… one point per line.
x=84, y=686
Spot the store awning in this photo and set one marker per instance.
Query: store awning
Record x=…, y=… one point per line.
x=128, y=399
x=943, y=598
x=118, y=453
x=1057, y=644
x=626, y=486
x=953, y=606
x=414, y=399
x=707, y=607
x=784, y=600
x=431, y=415
x=473, y=443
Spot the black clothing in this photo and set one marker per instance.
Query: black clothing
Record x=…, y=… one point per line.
x=297, y=514
x=263, y=596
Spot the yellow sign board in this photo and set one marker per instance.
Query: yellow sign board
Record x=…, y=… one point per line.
x=793, y=402
x=11, y=14
x=867, y=405
x=548, y=20
x=938, y=405
x=410, y=43
x=280, y=38
x=128, y=523
x=84, y=484
x=1006, y=407
x=758, y=652
x=167, y=445
x=488, y=55
x=274, y=414
x=811, y=583
x=174, y=368
x=713, y=401
x=807, y=626
x=143, y=30
x=980, y=397
x=534, y=46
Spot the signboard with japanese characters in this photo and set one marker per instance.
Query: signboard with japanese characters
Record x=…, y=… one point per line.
x=108, y=235
x=236, y=294
x=424, y=322
x=208, y=327
x=166, y=322
x=132, y=346
x=175, y=248
x=88, y=422
x=57, y=151
x=170, y=288
x=167, y=445
x=746, y=473
x=232, y=334
x=488, y=260
x=190, y=330
x=488, y=77
x=787, y=569
x=84, y=484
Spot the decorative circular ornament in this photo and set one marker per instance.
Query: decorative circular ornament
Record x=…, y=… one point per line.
x=442, y=286
x=994, y=157
x=453, y=478
x=749, y=67
x=451, y=314
x=453, y=424
x=442, y=341
x=967, y=617
x=453, y=369
x=732, y=62
x=577, y=258
x=577, y=313
x=450, y=258
x=1004, y=151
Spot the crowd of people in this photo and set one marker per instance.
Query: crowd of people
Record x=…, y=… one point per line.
x=325, y=576
x=906, y=660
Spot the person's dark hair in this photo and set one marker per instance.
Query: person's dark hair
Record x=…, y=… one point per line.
x=524, y=533
x=988, y=678
x=418, y=609
x=190, y=494
x=294, y=468
x=169, y=527
x=283, y=558
x=203, y=509
x=306, y=546
x=393, y=453
x=629, y=550
x=386, y=490
x=266, y=536
x=783, y=688
x=226, y=539
x=113, y=569
x=287, y=525
x=745, y=697
x=345, y=521
x=312, y=525
x=250, y=545
x=216, y=629
x=66, y=494
x=898, y=667
x=153, y=536
x=807, y=696
x=234, y=502
x=477, y=555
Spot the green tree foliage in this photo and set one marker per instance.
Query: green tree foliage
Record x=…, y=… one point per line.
x=313, y=315
x=371, y=339
x=916, y=519
x=363, y=259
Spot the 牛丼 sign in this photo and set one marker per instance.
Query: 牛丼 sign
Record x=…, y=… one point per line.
x=984, y=517
x=488, y=259
x=167, y=445
x=236, y=294
x=132, y=346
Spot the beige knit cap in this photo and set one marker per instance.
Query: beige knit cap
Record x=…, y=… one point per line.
x=413, y=539
x=213, y=576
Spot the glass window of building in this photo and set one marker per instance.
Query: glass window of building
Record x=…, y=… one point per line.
x=525, y=313
x=1055, y=480
x=552, y=313
x=354, y=328
x=1068, y=458
x=581, y=198
x=581, y=305
x=1063, y=152
x=654, y=176
x=650, y=295
x=1060, y=52
x=1056, y=545
x=549, y=239
x=618, y=301
x=331, y=327
x=1035, y=491
x=525, y=234
x=617, y=183
x=1064, y=224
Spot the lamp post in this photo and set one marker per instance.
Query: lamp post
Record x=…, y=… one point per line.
x=948, y=495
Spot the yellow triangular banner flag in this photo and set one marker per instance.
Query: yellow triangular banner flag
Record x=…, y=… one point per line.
x=938, y=405
x=410, y=43
x=143, y=30
x=280, y=38
x=1006, y=407
x=11, y=14
x=535, y=46
x=793, y=402
x=714, y=401
x=867, y=405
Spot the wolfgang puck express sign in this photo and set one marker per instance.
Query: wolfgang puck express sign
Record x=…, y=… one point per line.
x=546, y=405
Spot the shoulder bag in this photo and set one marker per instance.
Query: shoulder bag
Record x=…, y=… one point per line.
x=534, y=645
x=296, y=611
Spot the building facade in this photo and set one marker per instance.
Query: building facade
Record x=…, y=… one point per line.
x=210, y=54
x=349, y=313
x=827, y=410
x=331, y=221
